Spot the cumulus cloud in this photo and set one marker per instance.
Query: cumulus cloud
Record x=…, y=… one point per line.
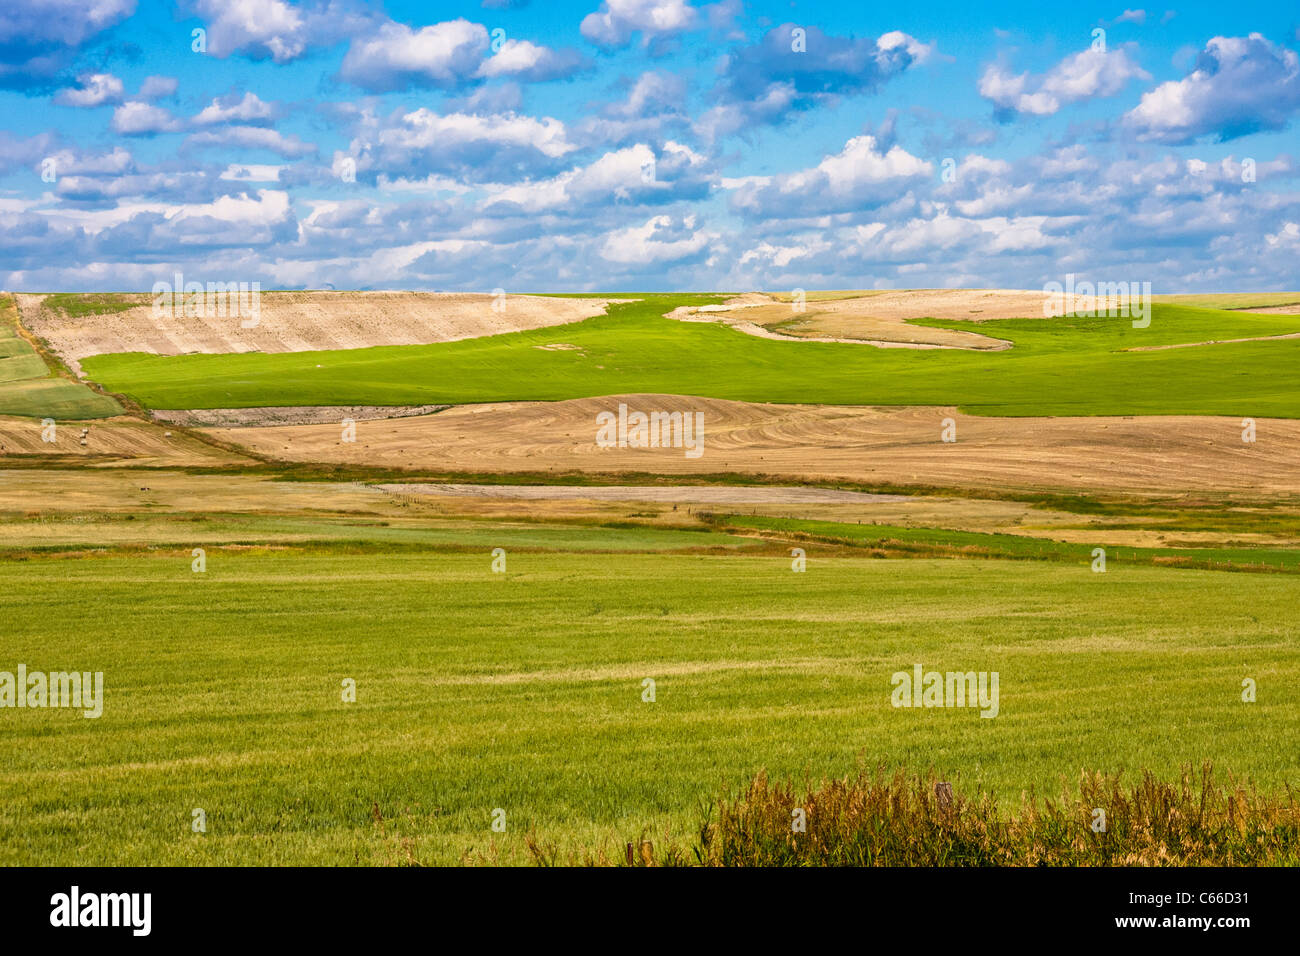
x=659, y=241
x=795, y=68
x=136, y=118
x=261, y=29
x=40, y=37
x=395, y=57
x=615, y=194
x=253, y=137
x=654, y=105
x=1131, y=16
x=235, y=109
x=631, y=175
x=93, y=89
x=859, y=176
x=1241, y=85
x=446, y=56
x=496, y=147
x=157, y=87
x=1080, y=76
x=1289, y=233
x=615, y=23
x=523, y=60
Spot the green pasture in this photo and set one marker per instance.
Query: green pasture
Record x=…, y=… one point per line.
x=1063, y=366
x=28, y=387
x=523, y=691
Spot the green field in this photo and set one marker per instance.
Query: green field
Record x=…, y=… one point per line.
x=523, y=690
x=1074, y=366
x=29, y=387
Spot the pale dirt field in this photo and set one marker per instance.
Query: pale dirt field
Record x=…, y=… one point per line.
x=76, y=490
x=110, y=442
x=895, y=446
x=300, y=321
x=699, y=494
x=879, y=318
x=108, y=507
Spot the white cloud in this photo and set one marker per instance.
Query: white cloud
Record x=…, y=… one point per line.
x=260, y=28
x=616, y=20
x=249, y=109
x=659, y=240
x=251, y=173
x=616, y=175
x=526, y=60
x=424, y=128
x=134, y=118
x=157, y=87
x=1080, y=76
x=1290, y=232
x=1241, y=85
x=94, y=89
x=253, y=137
x=860, y=174
x=444, y=54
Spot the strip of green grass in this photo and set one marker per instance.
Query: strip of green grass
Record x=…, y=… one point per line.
x=899, y=540
x=1069, y=366
x=523, y=691
x=97, y=303
x=55, y=534
x=29, y=387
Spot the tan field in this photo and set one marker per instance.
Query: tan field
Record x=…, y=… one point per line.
x=881, y=318
x=73, y=508
x=881, y=446
x=298, y=322
x=111, y=442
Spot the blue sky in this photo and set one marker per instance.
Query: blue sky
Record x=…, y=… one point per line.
x=577, y=145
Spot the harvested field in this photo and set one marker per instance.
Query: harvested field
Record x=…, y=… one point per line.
x=109, y=442
x=881, y=318
x=697, y=494
x=896, y=446
x=294, y=322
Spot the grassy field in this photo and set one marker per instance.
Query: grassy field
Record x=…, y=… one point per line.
x=897, y=540
x=523, y=690
x=1068, y=366
x=29, y=387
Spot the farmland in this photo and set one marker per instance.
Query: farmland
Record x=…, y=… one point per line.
x=500, y=588
x=1063, y=366
x=28, y=386
x=523, y=690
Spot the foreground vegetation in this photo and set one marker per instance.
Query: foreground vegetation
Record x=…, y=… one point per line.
x=1065, y=366
x=874, y=820
x=524, y=690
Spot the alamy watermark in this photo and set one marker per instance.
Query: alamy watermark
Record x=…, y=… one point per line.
x=633, y=429
x=1130, y=299
x=129, y=910
x=84, y=691
x=242, y=300
x=921, y=688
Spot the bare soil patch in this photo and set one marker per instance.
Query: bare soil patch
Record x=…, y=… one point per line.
x=881, y=318
x=299, y=322
x=894, y=446
x=109, y=442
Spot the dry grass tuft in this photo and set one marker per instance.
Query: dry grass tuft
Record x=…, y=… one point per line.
x=877, y=820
